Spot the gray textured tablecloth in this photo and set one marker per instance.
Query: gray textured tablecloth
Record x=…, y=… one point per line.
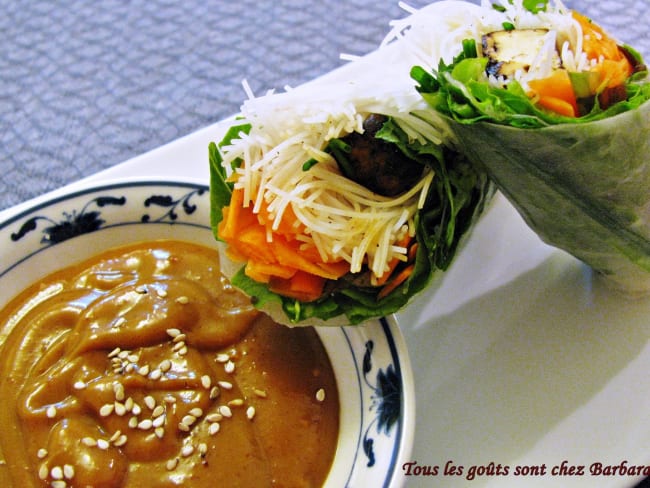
x=85, y=85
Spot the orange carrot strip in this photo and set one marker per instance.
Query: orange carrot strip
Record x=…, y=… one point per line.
x=302, y=286
x=556, y=93
x=595, y=42
x=413, y=250
x=251, y=242
x=255, y=274
x=338, y=268
x=231, y=216
x=268, y=269
x=400, y=278
x=613, y=73
x=558, y=106
x=289, y=223
x=286, y=255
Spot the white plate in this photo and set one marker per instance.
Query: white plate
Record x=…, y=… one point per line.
x=370, y=362
x=520, y=357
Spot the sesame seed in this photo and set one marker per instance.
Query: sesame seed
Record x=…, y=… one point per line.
x=51, y=412
x=128, y=404
x=165, y=365
x=182, y=351
x=106, y=409
x=133, y=422
x=115, y=435
x=58, y=484
x=118, y=389
x=229, y=367
x=178, y=346
x=214, y=428
x=145, y=424
x=173, y=332
x=103, y=444
x=160, y=432
x=183, y=427
x=250, y=412
x=214, y=417
x=225, y=411
x=120, y=441
x=203, y=448
x=136, y=409
x=158, y=411
x=260, y=393
x=130, y=368
x=161, y=293
x=120, y=409
x=144, y=370
x=123, y=354
x=134, y=358
x=115, y=352
x=188, y=420
x=206, y=381
x=182, y=300
x=57, y=473
x=187, y=450
x=237, y=402
x=171, y=464
x=214, y=392
x=170, y=399
x=222, y=358
x=68, y=471
x=156, y=374
x=320, y=395
x=141, y=289
x=42, y=453
x=179, y=338
x=43, y=472
x=158, y=421
x=196, y=412
x=226, y=385
x=150, y=402
x=89, y=441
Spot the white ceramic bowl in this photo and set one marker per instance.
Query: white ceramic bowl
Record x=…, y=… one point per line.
x=370, y=362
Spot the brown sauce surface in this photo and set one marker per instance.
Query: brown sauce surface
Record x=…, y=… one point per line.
x=143, y=367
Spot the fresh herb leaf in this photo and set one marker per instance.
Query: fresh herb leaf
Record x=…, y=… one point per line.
x=339, y=149
x=220, y=188
x=536, y=6
x=310, y=163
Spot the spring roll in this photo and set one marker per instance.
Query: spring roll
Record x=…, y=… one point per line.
x=336, y=202
x=556, y=111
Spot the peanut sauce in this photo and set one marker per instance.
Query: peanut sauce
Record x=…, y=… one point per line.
x=143, y=367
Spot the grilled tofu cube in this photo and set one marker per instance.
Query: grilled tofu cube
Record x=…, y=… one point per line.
x=510, y=50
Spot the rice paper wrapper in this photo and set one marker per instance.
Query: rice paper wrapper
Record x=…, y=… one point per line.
x=583, y=188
